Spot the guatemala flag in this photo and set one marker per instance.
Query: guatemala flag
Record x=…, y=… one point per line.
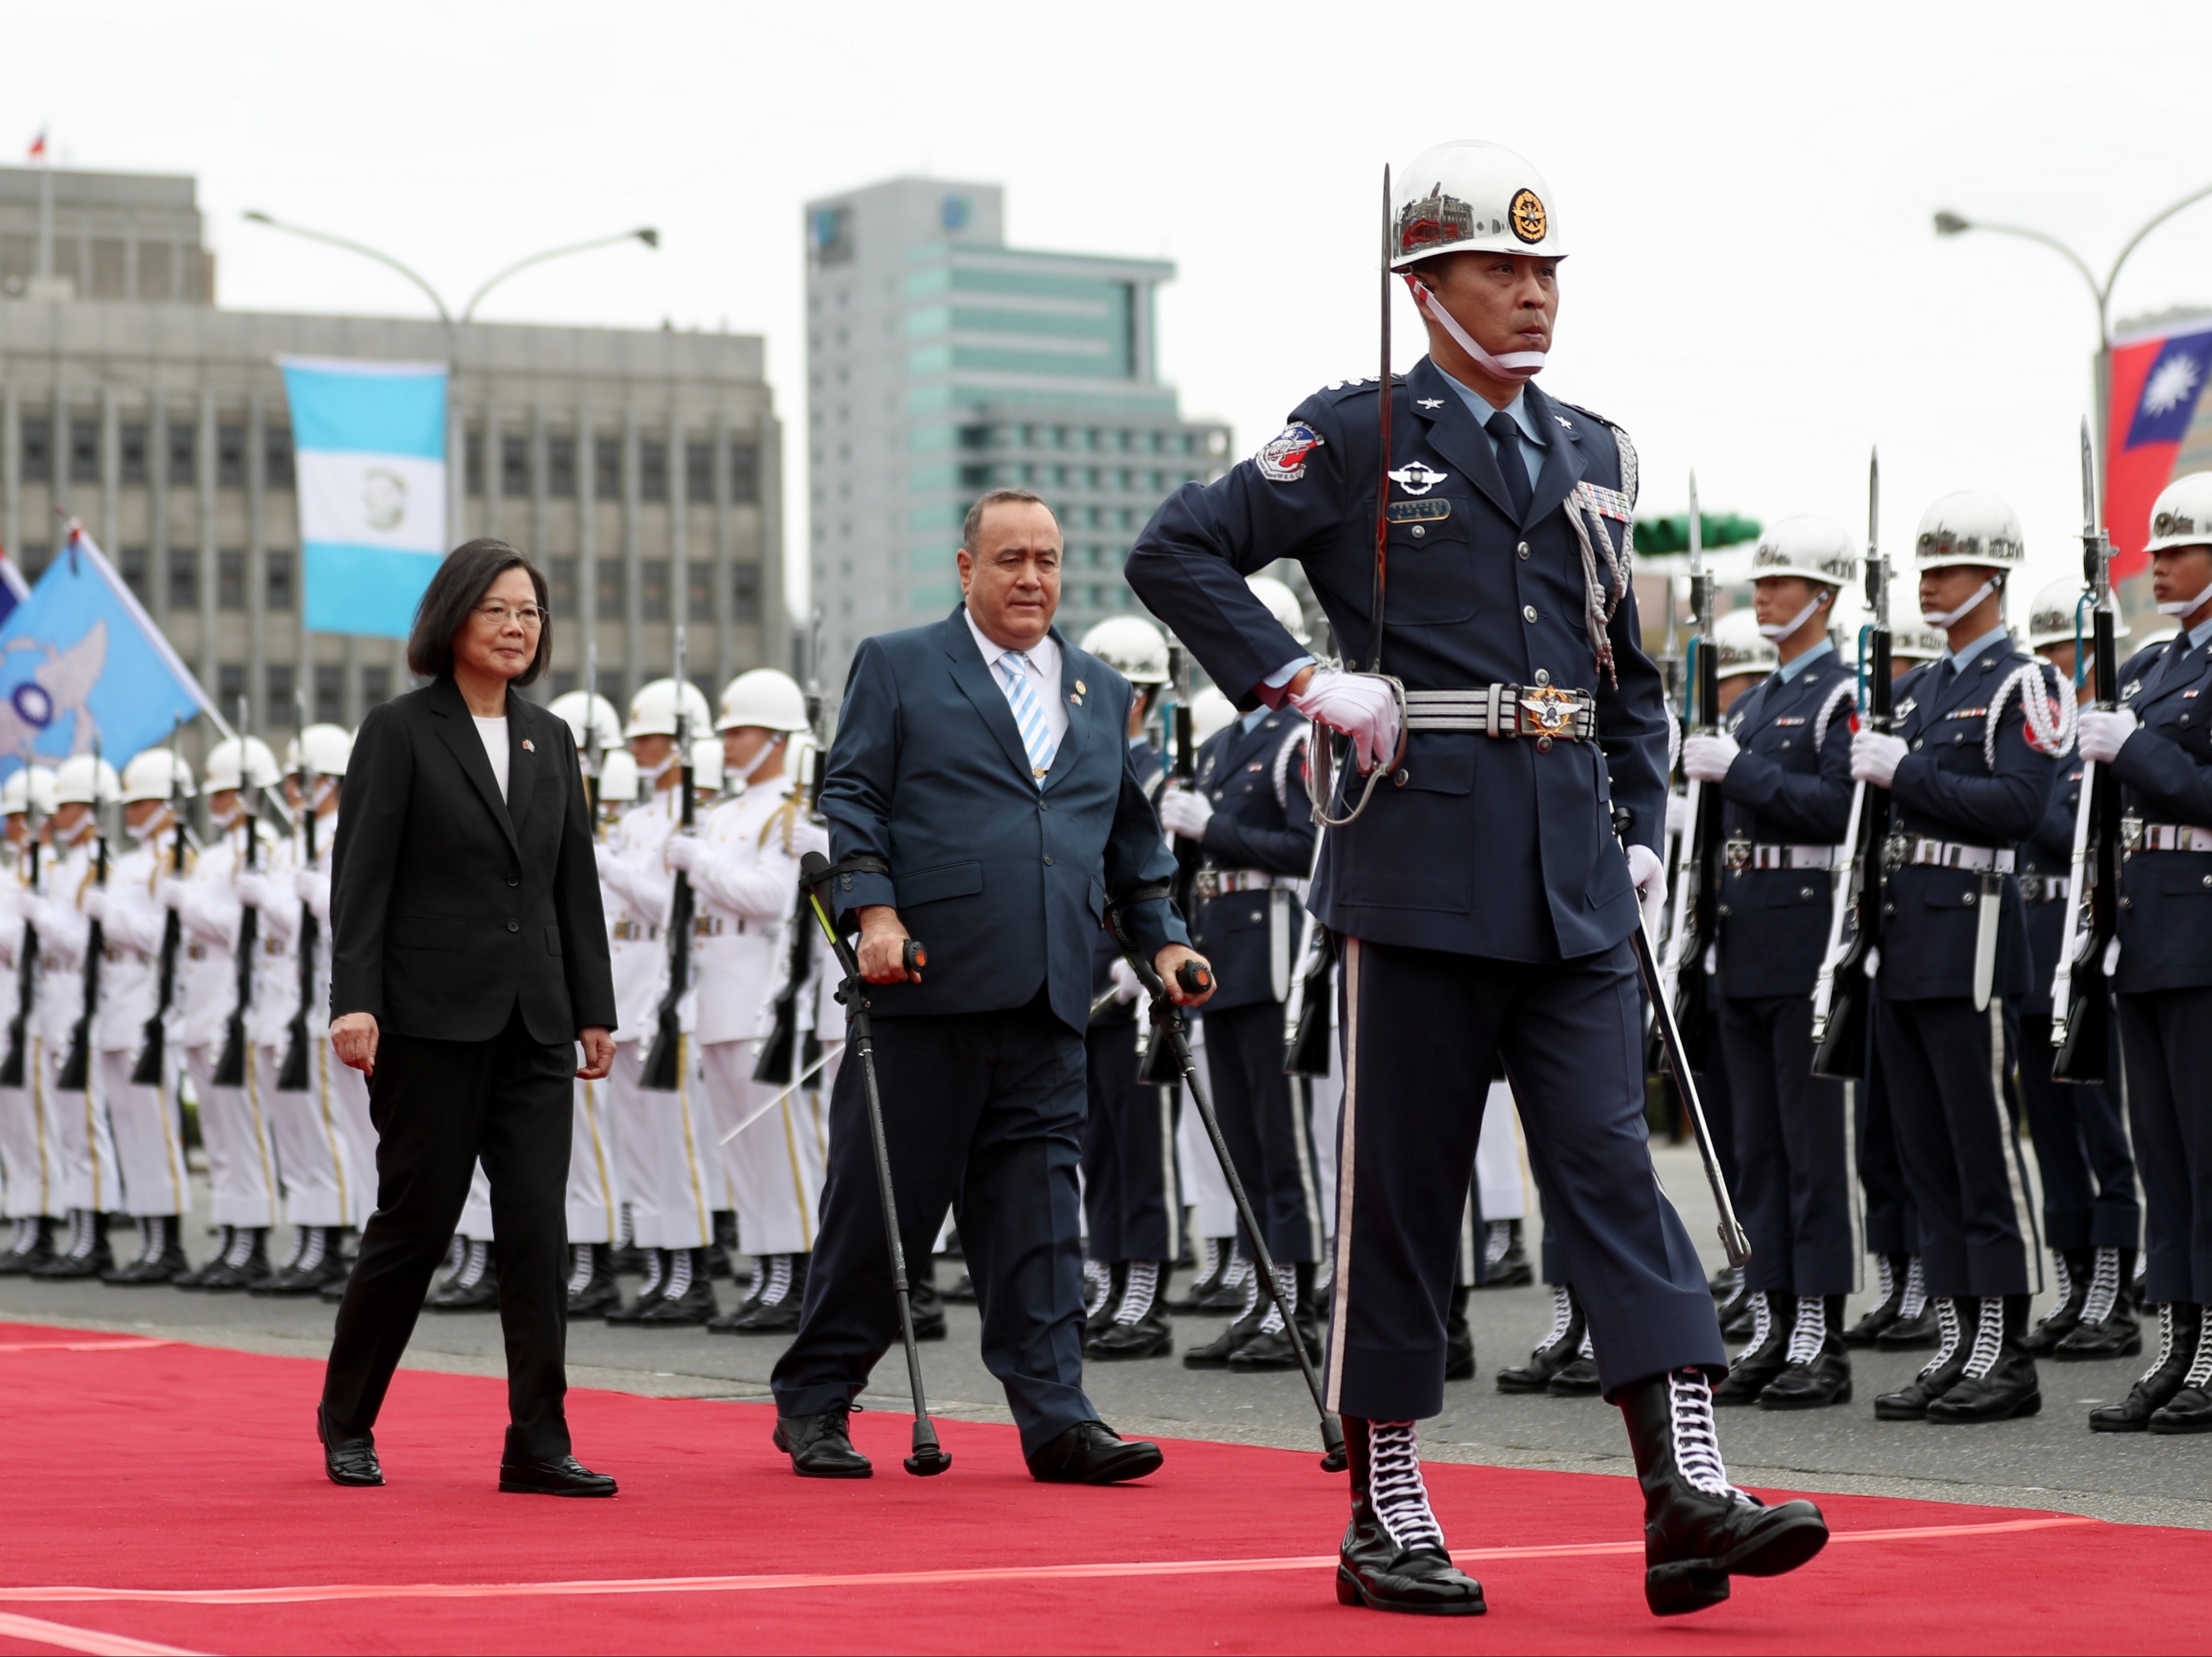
x=2156, y=384
x=369, y=439
x=81, y=662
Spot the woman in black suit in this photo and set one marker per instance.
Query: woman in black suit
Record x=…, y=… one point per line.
x=468, y=959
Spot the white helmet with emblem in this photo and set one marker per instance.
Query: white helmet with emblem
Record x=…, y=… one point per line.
x=1210, y=712
x=1282, y=604
x=231, y=764
x=1740, y=647
x=1132, y=647
x=618, y=778
x=328, y=747
x=652, y=710
x=2182, y=514
x=156, y=774
x=2050, y=618
x=1916, y=644
x=1974, y=527
x=34, y=783
x=763, y=698
x=1814, y=549
x=606, y=724
x=81, y=780
x=1470, y=196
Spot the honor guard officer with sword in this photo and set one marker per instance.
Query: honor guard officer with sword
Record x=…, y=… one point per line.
x=1969, y=770
x=2159, y=743
x=1484, y=904
x=1247, y=811
x=2091, y=1220
x=1784, y=767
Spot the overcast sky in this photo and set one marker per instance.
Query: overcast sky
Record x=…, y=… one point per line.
x=1753, y=288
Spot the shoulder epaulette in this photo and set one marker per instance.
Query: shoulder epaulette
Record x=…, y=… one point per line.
x=1338, y=390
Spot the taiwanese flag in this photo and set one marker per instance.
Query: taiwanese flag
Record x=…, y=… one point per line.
x=2155, y=386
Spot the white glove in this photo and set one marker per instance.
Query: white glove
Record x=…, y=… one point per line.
x=1359, y=705
x=1874, y=757
x=2104, y=734
x=1126, y=986
x=171, y=891
x=1648, y=875
x=1186, y=811
x=1707, y=759
x=683, y=852
x=1678, y=813
x=253, y=890
x=96, y=904
x=306, y=883
x=602, y=857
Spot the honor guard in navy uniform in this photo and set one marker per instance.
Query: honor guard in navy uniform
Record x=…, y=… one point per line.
x=2159, y=743
x=1484, y=905
x=1783, y=765
x=1132, y=1203
x=1969, y=772
x=2091, y=1220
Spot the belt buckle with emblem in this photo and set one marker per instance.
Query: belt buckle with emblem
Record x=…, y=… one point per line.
x=2131, y=831
x=1736, y=853
x=1546, y=711
x=1209, y=883
x=1895, y=849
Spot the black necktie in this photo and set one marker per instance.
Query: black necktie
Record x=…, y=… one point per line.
x=1506, y=432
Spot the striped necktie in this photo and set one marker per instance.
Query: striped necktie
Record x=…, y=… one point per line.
x=1029, y=712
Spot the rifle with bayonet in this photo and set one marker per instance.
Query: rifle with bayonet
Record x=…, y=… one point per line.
x=2080, y=993
x=230, y=1067
x=291, y=1074
x=785, y=1056
x=153, y=1037
x=27, y=960
x=1682, y=977
x=663, y=1063
x=594, y=754
x=1843, y=993
x=75, y=1073
x=1156, y=1066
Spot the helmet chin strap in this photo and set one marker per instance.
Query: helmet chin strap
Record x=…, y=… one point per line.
x=774, y=745
x=1778, y=631
x=2185, y=606
x=1947, y=618
x=1513, y=365
x=658, y=771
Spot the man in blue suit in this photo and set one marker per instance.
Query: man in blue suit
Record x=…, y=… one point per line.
x=980, y=792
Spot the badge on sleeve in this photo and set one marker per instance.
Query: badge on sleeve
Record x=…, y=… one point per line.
x=1282, y=460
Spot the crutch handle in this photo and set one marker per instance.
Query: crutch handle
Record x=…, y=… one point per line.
x=1195, y=978
x=914, y=957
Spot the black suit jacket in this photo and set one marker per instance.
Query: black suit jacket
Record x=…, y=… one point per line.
x=449, y=907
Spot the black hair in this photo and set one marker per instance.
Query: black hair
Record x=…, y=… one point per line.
x=454, y=592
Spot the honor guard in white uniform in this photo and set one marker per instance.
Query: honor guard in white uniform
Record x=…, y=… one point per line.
x=67, y=1002
x=668, y=1167
x=241, y=1151
x=134, y=1033
x=27, y=1153
x=743, y=865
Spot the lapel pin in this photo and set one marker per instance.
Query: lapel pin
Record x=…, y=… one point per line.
x=529, y=747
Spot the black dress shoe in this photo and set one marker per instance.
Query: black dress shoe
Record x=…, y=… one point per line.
x=1215, y=1354
x=1373, y=1570
x=2189, y=1411
x=1152, y=1336
x=1091, y=1453
x=1940, y=1373
x=1578, y=1379
x=821, y=1447
x=348, y=1457
x=560, y=1476
x=1812, y=1386
x=1999, y=1382
x=2179, y=1330
x=1558, y=1352
x=1916, y=1333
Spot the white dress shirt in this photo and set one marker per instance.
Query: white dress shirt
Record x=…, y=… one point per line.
x=1043, y=671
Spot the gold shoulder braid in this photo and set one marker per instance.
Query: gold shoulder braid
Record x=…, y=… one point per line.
x=784, y=816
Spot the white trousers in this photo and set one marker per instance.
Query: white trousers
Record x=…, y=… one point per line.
x=476, y=1212
x=777, y=1166
x=322, y=1185
x=83, y=1140
x=594, y=1184
x=150, y=1138
x=670, y=1176
x=27, y=1151
x=1498, y=1159
x=1214, y=1210
x=242, y=1158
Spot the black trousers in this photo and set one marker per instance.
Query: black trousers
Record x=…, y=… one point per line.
x=1419, y=1030
x=1129, y=1195
x=439, y=1106
x=1794, y=1191
x=1267, y=1124
x=1892, y=1224
x=1943, y=1063
x=2081, y=1149
x=2166, y=1035
x=984, y=1112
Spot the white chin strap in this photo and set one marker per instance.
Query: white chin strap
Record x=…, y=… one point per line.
x=2186, y=606
x=1513, y=365
x=657, y=771
x=745, y=778
x=1778, y=631
x=1940, y=619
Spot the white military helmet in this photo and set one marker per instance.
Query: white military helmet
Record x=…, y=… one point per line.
x=706, y=764
x=1815, y=548
x=31, y=783
x=765, y=698
x=2182, y=514
x=156, y=774
x=81, y=780
x=223, y=765
x=652, y=710
x=1917, y=644
x=2050, y=618
x=328, y=747
x=1210, y=712
x=1132, y=647
x=1739, y=647
x=1282, y=604
x=1470, y=195
x=1973, y=526
x=617, y=779
x=606, y=724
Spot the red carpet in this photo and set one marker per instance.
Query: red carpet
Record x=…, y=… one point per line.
x=171, y=1498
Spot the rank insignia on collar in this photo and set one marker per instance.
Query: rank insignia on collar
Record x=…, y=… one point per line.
x=1430, y=402
x=1416, y=479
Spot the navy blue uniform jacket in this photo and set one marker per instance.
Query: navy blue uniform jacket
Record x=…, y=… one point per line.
x=1005, y=884
x=1946, y=789
x=2166, y=774
x=1260, y=821
x=1785, y=791
x=1488, y=847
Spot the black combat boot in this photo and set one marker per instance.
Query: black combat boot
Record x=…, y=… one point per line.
x=1725, y=1282
x=1954, y=1322
x=474, y=1285
x=592, y=1285
x=722, y=1251
x=86, y=1254
x=2189, y=1410
x=1214, y=1355
x=1555, y=1351
x=161, y=1255
x=245, y=1262
x=1459, y=1339
x=1891, y=1272
x=1102, y=1293
x=1760, y=1363
x=687, y=1297
x=31, y=1247
x=656, y=1264
x=1818, y=1367
x=1214, y=1256
x=1229, y=1293
x=1394, y=1557
x=1270, y=1347
x=1998, y=1383
x=1916, y=1325
x=1505, y=1260
x=2179, y=1328
x=773, y=1309
x=1699, y=1529
x=2108, y=1328
x=1140, y=1326
x=2073, y=1267
x=1739, y=1313
x=315, y=1262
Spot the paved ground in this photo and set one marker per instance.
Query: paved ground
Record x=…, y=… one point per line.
x=2051, y=1461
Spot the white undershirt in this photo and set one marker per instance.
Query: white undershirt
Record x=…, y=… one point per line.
x=494, y=733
